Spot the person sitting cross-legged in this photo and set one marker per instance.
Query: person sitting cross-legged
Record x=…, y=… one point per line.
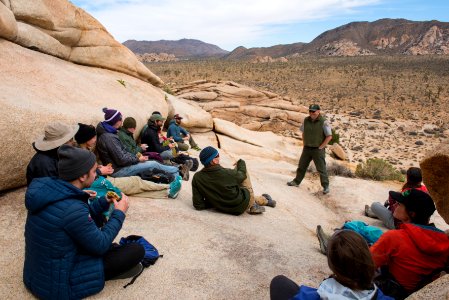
x=126, y=136
x=67, y=256
x=227, y=190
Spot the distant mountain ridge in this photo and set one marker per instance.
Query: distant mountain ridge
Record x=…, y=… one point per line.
x=381, y=37
x=183, y=49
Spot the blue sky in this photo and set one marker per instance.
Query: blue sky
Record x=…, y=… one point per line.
x=249, y=23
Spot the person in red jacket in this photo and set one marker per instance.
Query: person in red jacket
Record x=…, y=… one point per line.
x=416, y=250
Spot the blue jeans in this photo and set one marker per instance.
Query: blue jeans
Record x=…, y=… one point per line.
x=166, y=155
x=143, y=166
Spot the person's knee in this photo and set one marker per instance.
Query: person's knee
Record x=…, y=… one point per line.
x=136, y=251
x=277, y=280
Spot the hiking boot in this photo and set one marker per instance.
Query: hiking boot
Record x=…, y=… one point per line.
x=256, y=209
x=196, y=148
x=185, y=169
x=136, y=270
x=271, y=202
x=369, y=213
x=175, y=187
x=326, y=190
x=322, y=239
x=292, y=183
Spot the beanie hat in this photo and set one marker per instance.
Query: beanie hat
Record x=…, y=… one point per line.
x=207, y=155
x=111, y=116
x=74, y=162
x=129, y=122
x=85, y=133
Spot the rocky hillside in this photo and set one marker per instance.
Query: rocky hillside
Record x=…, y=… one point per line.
x=382, y=37
x=183, y=49
x=156, y=57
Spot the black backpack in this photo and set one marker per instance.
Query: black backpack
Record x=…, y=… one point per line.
x=182, y=158
x=157, y=176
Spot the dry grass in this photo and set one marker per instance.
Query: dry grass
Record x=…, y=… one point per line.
x=402, y=87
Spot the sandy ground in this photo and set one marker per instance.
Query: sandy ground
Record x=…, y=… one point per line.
x=209, y=255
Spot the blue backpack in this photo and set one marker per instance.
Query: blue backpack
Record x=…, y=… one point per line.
x=370, y=233
x=151, y=253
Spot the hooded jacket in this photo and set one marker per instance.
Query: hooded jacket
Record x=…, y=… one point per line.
x=411, y=253
x=332, y=289
x=63, y=246
x=176, y=131
x=127, y=139
x=151, y=137
x=43, y=164
x=111, y=150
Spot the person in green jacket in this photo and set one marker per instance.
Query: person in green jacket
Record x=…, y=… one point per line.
x=125, y=134
x=316, y=134
x=227, y=190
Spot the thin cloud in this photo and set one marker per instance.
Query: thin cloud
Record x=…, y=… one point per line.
x=228, y=23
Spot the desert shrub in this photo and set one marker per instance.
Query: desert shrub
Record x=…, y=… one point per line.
x=337, y=169
x=335, y=137
x=378, y=169
x=168, y=90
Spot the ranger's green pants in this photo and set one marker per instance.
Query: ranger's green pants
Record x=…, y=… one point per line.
x=318, y=157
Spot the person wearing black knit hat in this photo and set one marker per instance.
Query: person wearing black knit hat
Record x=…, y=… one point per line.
x=62, y=234
x=86, y=137
x=228, y=190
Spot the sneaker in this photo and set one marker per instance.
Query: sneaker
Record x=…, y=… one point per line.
x=185, y=169
x=271, y=202
x=369, y=213
x=326, y=190
x=136, y=270
x=175, y=187
x=322, y=239
x=256, y=209
x=196, y=148
x=292, y=183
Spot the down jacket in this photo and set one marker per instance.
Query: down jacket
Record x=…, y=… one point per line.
x=112, y=151
x=63, y=246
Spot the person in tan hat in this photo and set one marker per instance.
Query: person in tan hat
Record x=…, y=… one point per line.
x=45, y=162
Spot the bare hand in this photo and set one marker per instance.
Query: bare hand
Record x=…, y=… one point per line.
x=123, y=204
x=143, y=158
x=106, y=170
x=144, y=147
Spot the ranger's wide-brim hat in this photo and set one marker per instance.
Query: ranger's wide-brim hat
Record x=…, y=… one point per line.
x=56, y=134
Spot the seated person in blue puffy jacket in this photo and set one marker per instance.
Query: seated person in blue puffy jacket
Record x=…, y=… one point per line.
x=353, y=268
x=180, y=135
x=67, y=256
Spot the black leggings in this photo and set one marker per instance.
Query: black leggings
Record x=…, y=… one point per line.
x=282, y=288
x=120, y=259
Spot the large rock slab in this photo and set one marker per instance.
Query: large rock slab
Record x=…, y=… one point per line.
x=439, y=289
x=194, y=117
x=58, y=28
x=37, y=89
x=8, y=24
x=435, y=166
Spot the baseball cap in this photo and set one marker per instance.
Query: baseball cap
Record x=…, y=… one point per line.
x=416, y=201
x=177, y=116
x=156, y=117
x=314, y=107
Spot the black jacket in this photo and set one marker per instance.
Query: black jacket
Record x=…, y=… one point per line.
x=43, y=164
x=151, y=137
x=111, y=150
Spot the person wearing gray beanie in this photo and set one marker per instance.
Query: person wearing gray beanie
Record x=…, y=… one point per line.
x=65, y=225
x=227, y=190
x=74, y=162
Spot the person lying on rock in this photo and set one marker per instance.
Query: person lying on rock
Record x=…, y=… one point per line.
x=385, y=212
x=353, y=268
x=66, y=255
x=45, y=162
x=86, y=137
x=227, y=190
x=412, y=255
x=112, y=151
x=180, y=135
